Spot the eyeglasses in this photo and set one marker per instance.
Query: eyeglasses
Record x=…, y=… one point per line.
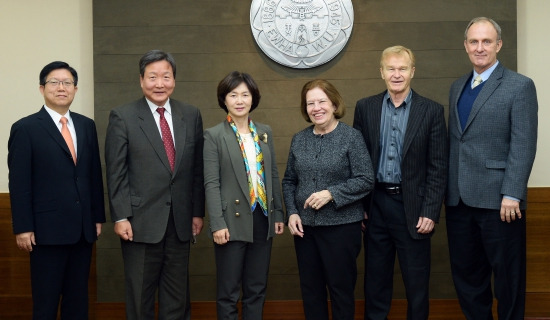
x=66, y=83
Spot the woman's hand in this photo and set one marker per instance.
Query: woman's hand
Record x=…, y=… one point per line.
x=295, y=225
x=221, y=236
x=318, y=199
x=279, y=227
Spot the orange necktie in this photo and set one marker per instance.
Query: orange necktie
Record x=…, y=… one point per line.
x=67, y=136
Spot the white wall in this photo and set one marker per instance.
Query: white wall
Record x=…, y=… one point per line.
x=533, y=26
x=36, y=32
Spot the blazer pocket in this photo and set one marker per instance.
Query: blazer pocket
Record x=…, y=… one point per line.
x=495, y=164
x=135, y=201
x=45, y=206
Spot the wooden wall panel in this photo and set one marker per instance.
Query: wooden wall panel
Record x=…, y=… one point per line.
x=209, y=38
x=15, y=294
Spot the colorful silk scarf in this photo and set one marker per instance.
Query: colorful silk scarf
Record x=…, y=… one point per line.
x=260, y=180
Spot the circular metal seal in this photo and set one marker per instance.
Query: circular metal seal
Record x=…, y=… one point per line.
x=301, y=33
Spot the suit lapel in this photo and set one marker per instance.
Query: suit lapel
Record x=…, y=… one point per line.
x=179, y=126
x=267, y=158
x=416, y=114
x=492, y=84
x=454, y=105
x=237, y=161
x=79, y=130
x=50, y=127
x=151, y=131
x=374, y=116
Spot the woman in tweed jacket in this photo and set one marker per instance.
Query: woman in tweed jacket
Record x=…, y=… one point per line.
x=328, y=173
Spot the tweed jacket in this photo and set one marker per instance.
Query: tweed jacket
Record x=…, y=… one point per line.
x=338, y=162
x=494, y=154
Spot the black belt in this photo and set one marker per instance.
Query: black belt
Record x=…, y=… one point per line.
x=389, y=188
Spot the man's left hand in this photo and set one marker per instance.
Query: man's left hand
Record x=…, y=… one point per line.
x=509, y=210
x=425, y=225
x=98, y=229
x=197, y=225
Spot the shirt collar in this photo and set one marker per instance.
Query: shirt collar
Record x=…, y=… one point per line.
x=56, y=117
x=405, y=103
x=485, y=74
x=154, y=107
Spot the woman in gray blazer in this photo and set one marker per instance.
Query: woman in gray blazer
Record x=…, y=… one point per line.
x=328, y=173
x=243, y=197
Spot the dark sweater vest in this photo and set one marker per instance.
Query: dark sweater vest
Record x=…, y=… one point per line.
x=466, y=101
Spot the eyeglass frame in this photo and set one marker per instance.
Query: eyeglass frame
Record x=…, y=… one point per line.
x=55, y=83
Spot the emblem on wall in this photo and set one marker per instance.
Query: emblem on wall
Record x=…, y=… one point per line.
x=301, y=33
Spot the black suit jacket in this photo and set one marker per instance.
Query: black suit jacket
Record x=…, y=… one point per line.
x=425, y=159
x=50, y=195
x=141, y=186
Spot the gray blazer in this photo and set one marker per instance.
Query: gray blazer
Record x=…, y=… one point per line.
x=494, y=154
x=226, y=184
x=141, y=185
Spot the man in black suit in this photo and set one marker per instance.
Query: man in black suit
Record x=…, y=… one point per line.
x=56, y=193
x=153, y=156
x=406, y=137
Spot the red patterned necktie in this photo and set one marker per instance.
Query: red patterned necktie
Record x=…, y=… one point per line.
x=67, y=136
x=167, y=139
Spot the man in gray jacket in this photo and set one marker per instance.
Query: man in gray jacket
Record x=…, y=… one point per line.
x=493, y=137
x=153, y=158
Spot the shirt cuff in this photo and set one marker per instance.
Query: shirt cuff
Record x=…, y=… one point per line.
x=511, y=198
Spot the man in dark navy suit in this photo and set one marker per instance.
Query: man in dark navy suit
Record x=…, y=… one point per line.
x=56, y=193
x=406, y=138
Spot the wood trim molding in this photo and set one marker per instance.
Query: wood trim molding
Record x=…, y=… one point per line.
x=538, y=194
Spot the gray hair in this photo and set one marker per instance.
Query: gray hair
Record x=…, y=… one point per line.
x=483, y=19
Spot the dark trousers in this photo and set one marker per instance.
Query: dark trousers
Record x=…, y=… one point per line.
x=245, y=264
x=481, y=246
x=60, y=272
x=385, y=235
x=327, y=258
x=162, y=266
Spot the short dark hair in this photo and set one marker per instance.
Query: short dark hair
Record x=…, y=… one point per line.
x=154, y=56
x=233, y=80
x=331, y=92
x=54, y=66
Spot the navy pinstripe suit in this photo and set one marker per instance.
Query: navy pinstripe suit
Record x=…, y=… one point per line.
x=424, y=177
